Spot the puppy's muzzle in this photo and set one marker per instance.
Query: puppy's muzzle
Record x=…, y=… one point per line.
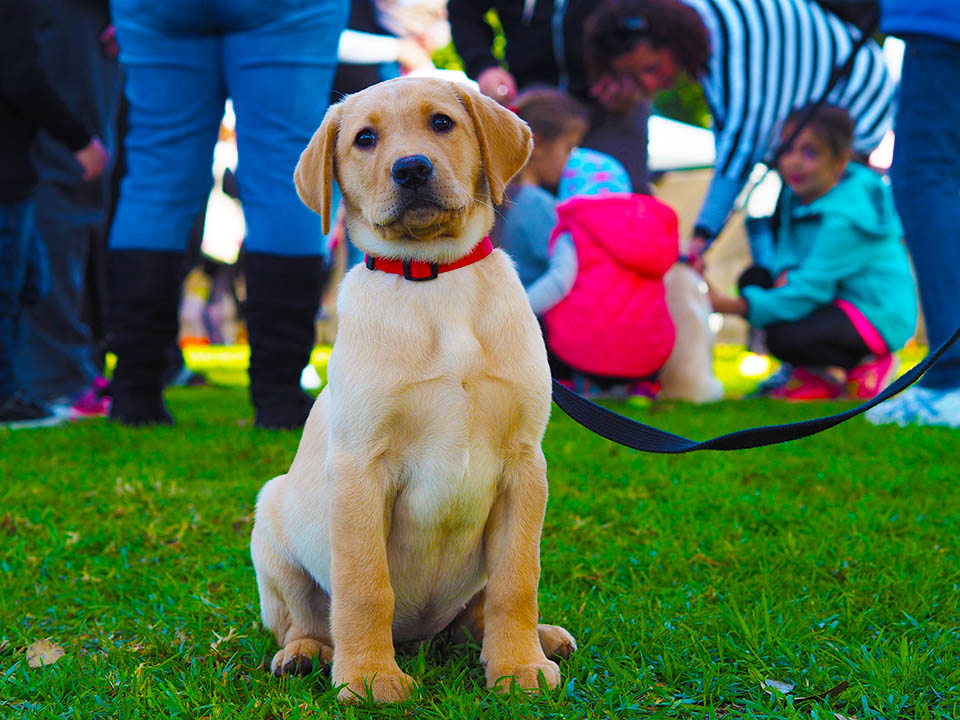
x=412, y=171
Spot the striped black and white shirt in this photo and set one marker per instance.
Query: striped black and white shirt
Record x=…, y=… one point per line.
x=768, y=58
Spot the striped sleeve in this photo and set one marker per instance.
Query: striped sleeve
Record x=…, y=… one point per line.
x=769, y=57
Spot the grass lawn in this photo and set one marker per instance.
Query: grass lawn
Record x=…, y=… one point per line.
x=689, y=582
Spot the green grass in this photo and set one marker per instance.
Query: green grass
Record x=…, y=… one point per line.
x=688, y=581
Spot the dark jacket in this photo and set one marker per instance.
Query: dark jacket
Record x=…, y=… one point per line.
x=27, y=103
x=536, y=54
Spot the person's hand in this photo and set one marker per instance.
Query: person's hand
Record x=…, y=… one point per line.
x=726, y=304
x=695, y=249
x=497, y=83
x=108, y=42
x=617, y=93
x=93, y=159
x=412, y=55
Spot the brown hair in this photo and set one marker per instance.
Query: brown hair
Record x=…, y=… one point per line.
x=551, y=113
x=831, y=124
x=617, y=26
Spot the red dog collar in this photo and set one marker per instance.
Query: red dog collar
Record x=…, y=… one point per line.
x=420, y=270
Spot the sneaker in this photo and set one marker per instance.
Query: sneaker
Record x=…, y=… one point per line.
x=804, y=384
x=648, y=389
x=869, y=378
x=919, y=406
x=19, y=413
x=780, y=378
x=94, y=402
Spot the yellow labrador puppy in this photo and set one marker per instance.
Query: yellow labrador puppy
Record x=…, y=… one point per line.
x=416, y=498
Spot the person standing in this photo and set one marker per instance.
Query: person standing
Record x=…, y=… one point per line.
x=28, y=102
x=757, y=60
x=55, y=353
x=926, y=187
x=182, y=59
x=545, y=47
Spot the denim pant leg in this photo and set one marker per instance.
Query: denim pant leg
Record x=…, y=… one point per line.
x=55, y=347
x=55, y=352
x=279, y=77
x=176, y=97
x=17, y=233
x=926, y=185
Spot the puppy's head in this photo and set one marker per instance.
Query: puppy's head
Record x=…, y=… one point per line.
x=420, y=162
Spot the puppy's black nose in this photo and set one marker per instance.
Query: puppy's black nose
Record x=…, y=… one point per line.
x=412, y=171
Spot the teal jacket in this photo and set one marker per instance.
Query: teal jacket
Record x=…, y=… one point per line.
x=845, y=245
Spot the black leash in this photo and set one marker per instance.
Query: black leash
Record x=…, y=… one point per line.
x=638, y=436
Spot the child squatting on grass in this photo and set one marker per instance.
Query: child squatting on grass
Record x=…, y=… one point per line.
x=593, y=265
x=839, y=298
x=530, y=214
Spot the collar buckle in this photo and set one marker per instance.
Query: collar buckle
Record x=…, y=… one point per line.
x=408, y=274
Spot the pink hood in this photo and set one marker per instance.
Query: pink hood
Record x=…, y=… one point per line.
x=615, y=320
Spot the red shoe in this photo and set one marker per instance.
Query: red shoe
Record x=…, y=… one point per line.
x=868, y=379
x=807, y=385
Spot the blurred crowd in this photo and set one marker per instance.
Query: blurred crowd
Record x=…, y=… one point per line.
x=111, y=113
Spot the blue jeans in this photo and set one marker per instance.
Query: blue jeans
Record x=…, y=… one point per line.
x=23, y=281
x=55, y=350
x=926, y=186
x=182, y=59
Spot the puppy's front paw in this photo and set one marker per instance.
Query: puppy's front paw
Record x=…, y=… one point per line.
x=532, y=676
x=297, y=657
x=556, y=642
x=386, y=686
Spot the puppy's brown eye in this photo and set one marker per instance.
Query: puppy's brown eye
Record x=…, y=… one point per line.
x=365, y=138
x=441, y=122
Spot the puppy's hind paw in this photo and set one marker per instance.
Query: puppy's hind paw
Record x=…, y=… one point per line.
x=297, y=657
x=556, y=642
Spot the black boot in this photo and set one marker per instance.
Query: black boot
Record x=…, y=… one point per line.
x=143, y=299
x=283, y=295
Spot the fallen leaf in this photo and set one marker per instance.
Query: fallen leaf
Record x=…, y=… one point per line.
x=781, y=687
x=8, y=524
x=43, y=652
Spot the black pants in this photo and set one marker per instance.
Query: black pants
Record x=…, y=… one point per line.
x=561, y=370
x=824, y=337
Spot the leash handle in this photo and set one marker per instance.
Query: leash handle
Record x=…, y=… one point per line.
x=636, y=435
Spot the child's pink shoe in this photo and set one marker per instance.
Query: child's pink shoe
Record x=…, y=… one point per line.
x=807, y=385
x=646, y=389
x=93, y=402
x=868, y=379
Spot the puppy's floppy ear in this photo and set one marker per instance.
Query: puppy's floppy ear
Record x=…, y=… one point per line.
x=315, y=171
x=505, y=140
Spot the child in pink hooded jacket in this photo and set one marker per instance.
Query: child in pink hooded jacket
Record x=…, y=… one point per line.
x=613, y=331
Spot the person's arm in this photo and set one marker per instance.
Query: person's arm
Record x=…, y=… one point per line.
x=25, y=86
x=23, y=83
x=811, y=285
x=555, y=284
x=744, y=100
x=363, y=48
x=472, y=36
